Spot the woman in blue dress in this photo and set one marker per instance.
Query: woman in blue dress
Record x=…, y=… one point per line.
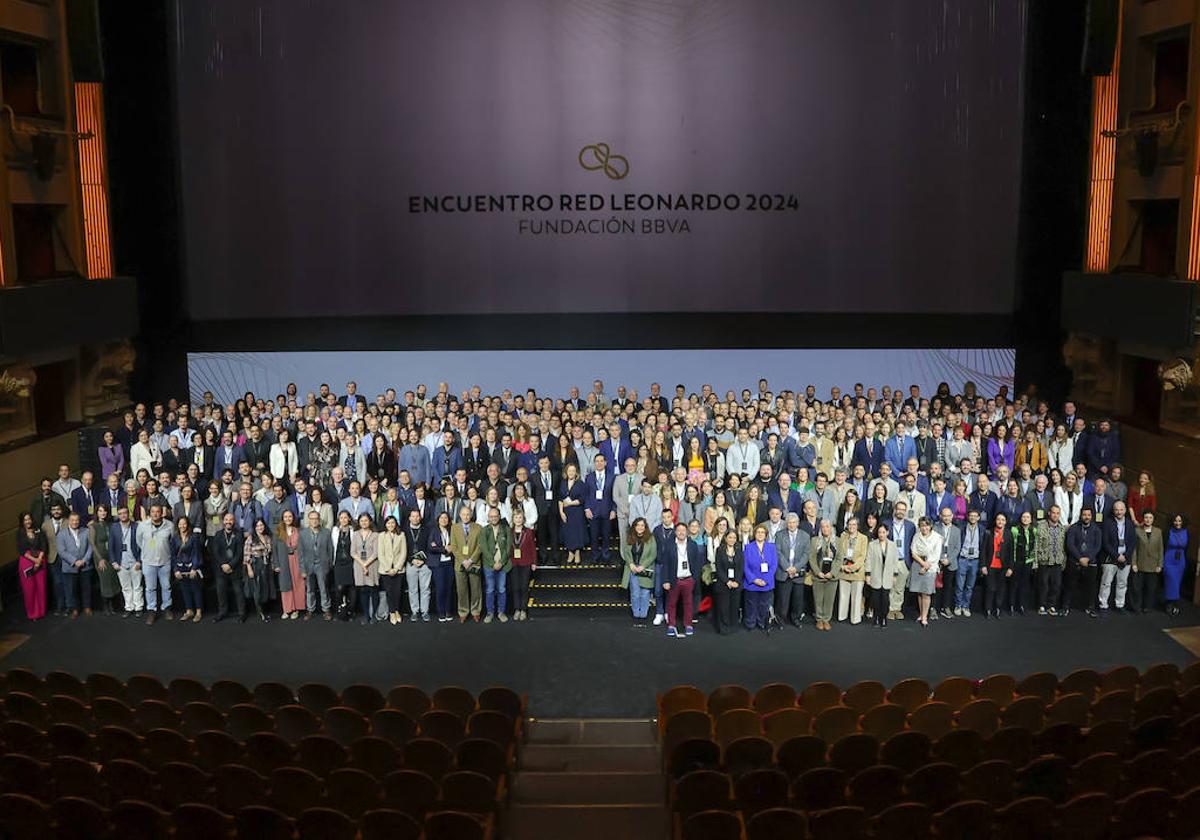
x=570, y=510
x=1174, y=562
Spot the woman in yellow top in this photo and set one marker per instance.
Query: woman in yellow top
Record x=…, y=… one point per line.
x=697, y=469
x=393, y=555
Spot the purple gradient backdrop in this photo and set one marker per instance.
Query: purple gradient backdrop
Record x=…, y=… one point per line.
x=305, y=125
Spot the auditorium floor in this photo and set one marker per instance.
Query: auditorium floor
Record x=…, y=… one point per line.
x=590, y=667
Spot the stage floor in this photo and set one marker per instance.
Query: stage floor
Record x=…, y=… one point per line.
x=589, y=667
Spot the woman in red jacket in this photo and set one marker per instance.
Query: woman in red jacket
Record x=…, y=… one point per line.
x=1142, y=497
x=524, y=558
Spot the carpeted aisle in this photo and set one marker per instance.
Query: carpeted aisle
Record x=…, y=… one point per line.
x=601, y=667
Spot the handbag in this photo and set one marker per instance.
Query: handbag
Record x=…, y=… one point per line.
x=937, y=584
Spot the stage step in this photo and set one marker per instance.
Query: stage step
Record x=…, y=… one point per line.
x=588, y=779
x=587, y=822
x=589, y=586
x=578, y=758
x=590, y=731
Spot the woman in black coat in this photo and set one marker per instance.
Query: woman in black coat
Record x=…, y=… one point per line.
x=996, y=565
x=381, y=461
x=878, y=505
x=727, y=583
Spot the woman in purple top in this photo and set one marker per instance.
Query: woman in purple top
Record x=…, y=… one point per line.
x=112, y=457
x=758, y=573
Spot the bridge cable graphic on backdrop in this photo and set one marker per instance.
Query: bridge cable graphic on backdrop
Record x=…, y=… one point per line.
x=599, y=156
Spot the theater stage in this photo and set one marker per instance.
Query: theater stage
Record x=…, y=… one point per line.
x=589, y=667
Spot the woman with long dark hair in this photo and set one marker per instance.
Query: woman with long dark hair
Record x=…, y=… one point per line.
x=259, y=579
x=728, y=568
x=1174, y=561
x=639, y=553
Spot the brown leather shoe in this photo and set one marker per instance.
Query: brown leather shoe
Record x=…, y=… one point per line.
x=462, y=619
x=87, y=611
x=74, y=614
x=477, y=618
x=328, y=616
x=307, y=616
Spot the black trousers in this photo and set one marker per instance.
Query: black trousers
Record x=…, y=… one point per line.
x=1145, y=589
x=878, y=601
x=1049, y=586
x=547, y=535
x=394, y=588
x=1080, y=588
x=995, y=587
x=789, y=599
x=518, y=587
x=725, y=607
x=345, y=601
x=229, y=588
x=1019, y=586
x=943, y=599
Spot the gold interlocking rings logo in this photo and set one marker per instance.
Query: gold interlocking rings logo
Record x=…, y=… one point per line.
x=599, y=156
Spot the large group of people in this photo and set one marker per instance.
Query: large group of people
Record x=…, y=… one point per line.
x=763, y=509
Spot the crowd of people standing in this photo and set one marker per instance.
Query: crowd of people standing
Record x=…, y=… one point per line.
x=764, y=509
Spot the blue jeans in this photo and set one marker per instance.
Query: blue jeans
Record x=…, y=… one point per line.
x=157, y=578
x=964, y=582
x=495, y=594
x=639, y=597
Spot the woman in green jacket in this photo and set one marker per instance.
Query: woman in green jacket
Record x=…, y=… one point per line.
x=639, y=553
x=1024, y=549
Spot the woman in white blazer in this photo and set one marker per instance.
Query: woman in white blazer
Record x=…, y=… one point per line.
x=283, y=458
x=1069, y=498
x=1061, y=451
x=882, y=567
x=519, y=501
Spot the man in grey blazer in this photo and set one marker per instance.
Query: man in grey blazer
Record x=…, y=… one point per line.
x=624, y=487
x=792, y=546
x=951, y=545
x=315, y=554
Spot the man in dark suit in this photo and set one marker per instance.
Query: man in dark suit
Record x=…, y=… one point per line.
x=229, y=456
x=664, y=537
x=338, y=489
x=544, y=485
x=39, y=508
x=202, y=456
x=505, y=457
x=599, y=509
x=83, y=499
x=315, y=555
x=869, y=453
x=257, y=451
x=983, y=500
x=1099, y=502
x=225, y=555
x=112, y=495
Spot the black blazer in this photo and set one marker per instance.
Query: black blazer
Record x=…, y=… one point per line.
x=882, y=510
x=382, y=467
x=1006, y=549
x=724, y=564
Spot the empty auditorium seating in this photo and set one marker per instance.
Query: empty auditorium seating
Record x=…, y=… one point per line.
x=1090, y=756
x=101, y=757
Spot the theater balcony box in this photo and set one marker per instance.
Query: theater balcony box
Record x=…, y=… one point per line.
x=1154, y=316
x=70, y=311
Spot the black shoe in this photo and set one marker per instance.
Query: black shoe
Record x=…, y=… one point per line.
x=242, y=618
x=1064, y=612
x=883, y=624
x=996, y=615
x=1091, y=613
x=363, y=622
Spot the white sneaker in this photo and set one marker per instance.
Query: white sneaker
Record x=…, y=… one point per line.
x=966, y=613
x=958, y=611
x=658, y=619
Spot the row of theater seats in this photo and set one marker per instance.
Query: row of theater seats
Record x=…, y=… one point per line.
x=100, y=757
x=1091, y=756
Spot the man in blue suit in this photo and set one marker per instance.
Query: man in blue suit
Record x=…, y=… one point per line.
x=898, y=449
x=784, y=497
x=868, y=452
x=75, y=555
x=599, y=509
x=902, y=532
x=229, y=456
x=1098, y=502
x=447, y=458
x=615, y=449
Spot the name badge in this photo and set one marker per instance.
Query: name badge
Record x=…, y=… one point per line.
x=745, y=466
x=1099, y=517
x=516, y=554
x=762, y=567
x=850, y=551
x=599, y=495
x=549, y=495
x=1041, y=514
x=730, y=572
